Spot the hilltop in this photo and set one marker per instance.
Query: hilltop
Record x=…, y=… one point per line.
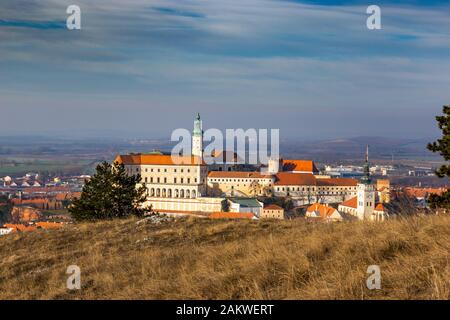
x=209, y=259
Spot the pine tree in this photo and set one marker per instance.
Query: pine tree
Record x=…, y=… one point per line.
x=110, y=193
x=442, y=146
x=225, y=205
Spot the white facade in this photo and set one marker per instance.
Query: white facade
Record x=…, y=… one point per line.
x=197, y=138
x=365, y=201
x=4, y=231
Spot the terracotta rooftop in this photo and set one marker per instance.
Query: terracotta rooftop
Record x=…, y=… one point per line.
x=157, y=159
x=423, y=192
x=273, y=207
x=19, y=227
x=344, y=182
x=299, y=165
x=352, y=203
x=323, y=210
x=288, y=179
x=231, y=215
x=48, y=225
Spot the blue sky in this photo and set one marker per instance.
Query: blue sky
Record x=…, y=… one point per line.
x=142, y=68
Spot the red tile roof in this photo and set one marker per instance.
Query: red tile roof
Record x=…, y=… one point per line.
x=273, y=207
x=352, y=203
x=48, y=225
x=157, y=159
x=20, y=227
x=295, y=179
x=29, y=201
x=423, y=192
x=299, y=165
x=323, y=210
x=342, y=182
x=379, y=207
x=231, y=215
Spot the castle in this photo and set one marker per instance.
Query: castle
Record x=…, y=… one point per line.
x=183, y=184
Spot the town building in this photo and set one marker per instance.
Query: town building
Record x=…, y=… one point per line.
x=272, y=211
x=251, y=205
x=173, y=182
x=239, y=183
x=323, y=212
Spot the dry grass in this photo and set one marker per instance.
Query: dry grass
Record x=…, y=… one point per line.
x=203, y=259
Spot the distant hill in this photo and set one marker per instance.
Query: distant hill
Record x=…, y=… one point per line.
x=354, y=148
x=208, y=259
x=320, y=150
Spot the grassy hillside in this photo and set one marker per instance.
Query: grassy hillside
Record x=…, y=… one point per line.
x=204, y=259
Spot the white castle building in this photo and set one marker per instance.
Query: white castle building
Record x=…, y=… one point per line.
x=188, y=184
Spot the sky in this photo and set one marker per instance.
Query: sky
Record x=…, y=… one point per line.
x=144, y=68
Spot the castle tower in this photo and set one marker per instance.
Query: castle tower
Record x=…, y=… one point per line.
x=197, y=137
x=365, y=193
x=273, y=165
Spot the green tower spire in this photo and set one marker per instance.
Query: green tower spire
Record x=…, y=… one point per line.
x=366, y=177
x=197, y=126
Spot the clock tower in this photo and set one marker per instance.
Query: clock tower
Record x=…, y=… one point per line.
x=365, y=193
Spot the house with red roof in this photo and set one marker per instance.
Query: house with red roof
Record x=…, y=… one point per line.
x=323, y=212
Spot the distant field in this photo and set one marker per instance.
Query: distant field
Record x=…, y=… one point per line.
x=19, y=166
x=205, y=259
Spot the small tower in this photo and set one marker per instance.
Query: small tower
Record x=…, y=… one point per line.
x=365, y=193
x=197, y=137
x=273, y=165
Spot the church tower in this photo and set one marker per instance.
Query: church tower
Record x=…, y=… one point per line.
x=197, y=137
x=365, y=193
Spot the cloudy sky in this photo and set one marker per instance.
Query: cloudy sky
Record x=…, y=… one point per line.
x=140, y=68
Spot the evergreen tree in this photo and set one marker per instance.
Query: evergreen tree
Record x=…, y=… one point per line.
x=110, y=193
x=225, y=205
x=442, y=146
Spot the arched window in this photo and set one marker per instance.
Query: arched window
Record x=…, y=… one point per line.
x=158, y=192
x=181, y=193
x=169, y=193
x=176, y=193
x=193, y=194
x=164, y=193
x=188, y=194
x=152, y=192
